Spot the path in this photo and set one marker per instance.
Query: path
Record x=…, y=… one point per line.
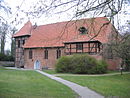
x=110, y=74
x=84, y=92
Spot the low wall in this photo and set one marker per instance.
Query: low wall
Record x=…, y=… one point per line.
x=7, y=63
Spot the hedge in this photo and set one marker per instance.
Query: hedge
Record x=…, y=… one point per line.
x=80, y=64
x=4, y=57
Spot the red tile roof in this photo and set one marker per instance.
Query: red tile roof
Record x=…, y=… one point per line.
x=25, y=30
x=55, y=35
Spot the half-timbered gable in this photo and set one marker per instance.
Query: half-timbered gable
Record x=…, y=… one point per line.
x=89, y=47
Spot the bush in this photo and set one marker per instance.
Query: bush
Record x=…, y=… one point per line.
x=4, y=57
x=63, y=64
x=127, y=64
x=100, y=68
x=81, y=64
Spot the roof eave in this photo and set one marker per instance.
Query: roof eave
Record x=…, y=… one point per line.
x=43, y=47
x=21, y=36
x=81, y=41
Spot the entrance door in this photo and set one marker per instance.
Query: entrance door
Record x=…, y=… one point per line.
x=37, y=65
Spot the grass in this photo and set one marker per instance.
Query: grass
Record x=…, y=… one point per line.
x=116, y=85
x=30, y=84
x=50, y=71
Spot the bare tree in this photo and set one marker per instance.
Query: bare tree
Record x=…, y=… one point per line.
x=75, y=9
x=3, y=32
x=4, y=26
x=13, y=42
x=4, y=8
x=108, y=8
x=119, y=48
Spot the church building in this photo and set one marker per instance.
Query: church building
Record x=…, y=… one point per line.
x=39, y=47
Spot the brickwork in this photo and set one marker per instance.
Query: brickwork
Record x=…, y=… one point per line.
x=114, y=64
x=38, y=54
x=19, y=52
x=38, y=38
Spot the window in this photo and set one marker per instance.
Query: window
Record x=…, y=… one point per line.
x=79, y=46
x=58, y=52
x=18, y=43
x=82, y=30
x=94, y=47
x=23, y=42
x=30, y=54
x=46, y=54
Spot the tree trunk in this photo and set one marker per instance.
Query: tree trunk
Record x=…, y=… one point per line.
x=12, y=47
x=13, y=43
x=3, y=44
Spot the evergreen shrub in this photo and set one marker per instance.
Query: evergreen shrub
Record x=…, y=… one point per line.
x=80, y=64
x=4, y=57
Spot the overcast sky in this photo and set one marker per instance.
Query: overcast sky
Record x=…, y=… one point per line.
x=25, y=5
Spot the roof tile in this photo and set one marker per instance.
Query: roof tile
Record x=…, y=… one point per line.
x=54, y=35
x=25, y=30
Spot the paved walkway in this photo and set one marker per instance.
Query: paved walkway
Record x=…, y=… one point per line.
x=110, y=74
x=84, y=92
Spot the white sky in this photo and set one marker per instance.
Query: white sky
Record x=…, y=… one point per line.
x=25, y=4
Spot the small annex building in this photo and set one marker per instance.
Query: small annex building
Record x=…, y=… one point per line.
x=39, y=47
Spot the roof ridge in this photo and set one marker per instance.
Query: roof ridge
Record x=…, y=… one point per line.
x=71, y=21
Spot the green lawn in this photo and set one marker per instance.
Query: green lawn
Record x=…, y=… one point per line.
x=113, y=85
x=116, y=85
x=52, y=71
x=30, y=84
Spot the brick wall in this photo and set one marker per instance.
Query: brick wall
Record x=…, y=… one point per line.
x=19, y=55
x=114, y=64
x=38, y=54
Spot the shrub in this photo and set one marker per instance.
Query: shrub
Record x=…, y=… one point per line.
x=81, y=64
x=63, y=64
x=127, y=64
x=101, y=67
x=4, y=57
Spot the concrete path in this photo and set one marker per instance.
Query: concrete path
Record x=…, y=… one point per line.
x=110, y=74
x=84, y=92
